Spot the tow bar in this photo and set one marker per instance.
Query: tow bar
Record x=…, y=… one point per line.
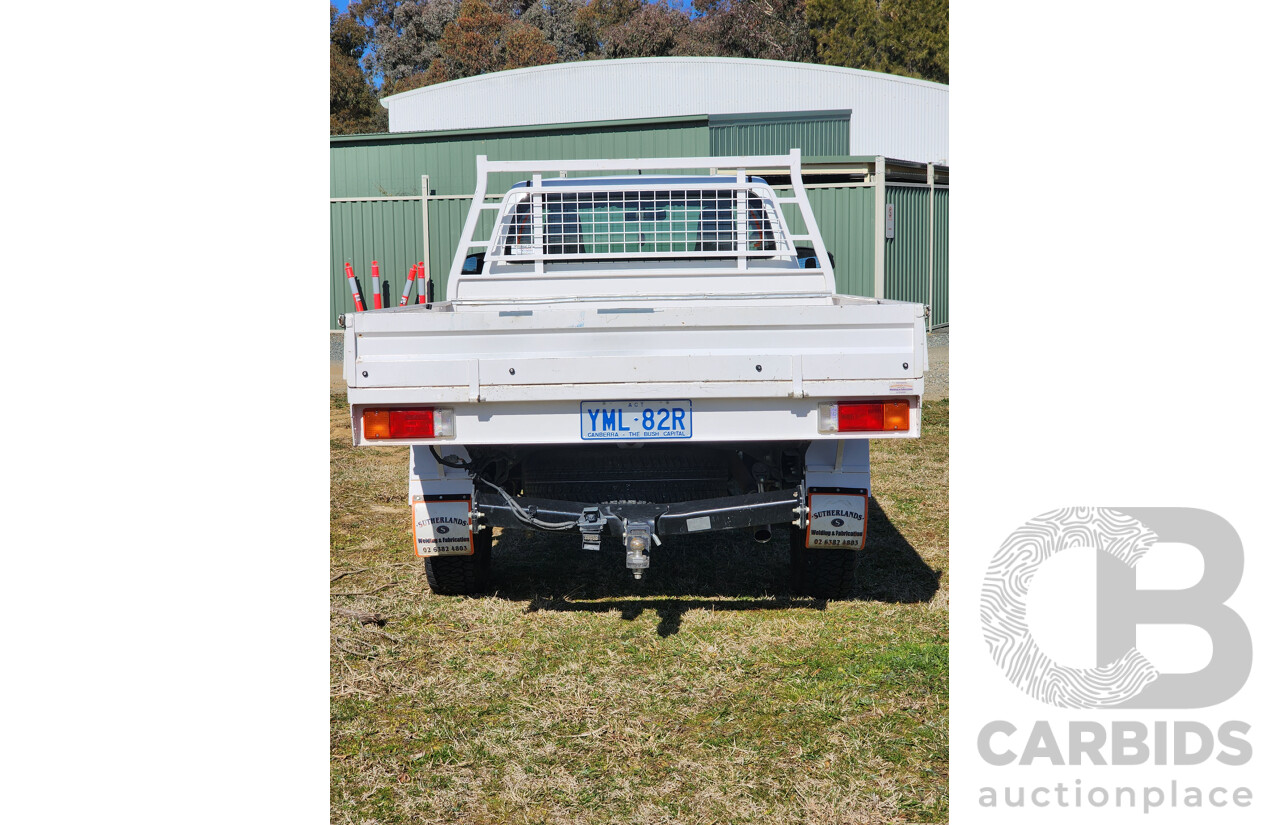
x=639, y=535
x=640, y=525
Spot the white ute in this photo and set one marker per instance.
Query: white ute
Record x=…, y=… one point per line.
x=640, y=357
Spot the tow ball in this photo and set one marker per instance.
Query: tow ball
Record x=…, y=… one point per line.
x=639, y=535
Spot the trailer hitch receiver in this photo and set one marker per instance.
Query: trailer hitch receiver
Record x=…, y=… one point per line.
x=639, y=536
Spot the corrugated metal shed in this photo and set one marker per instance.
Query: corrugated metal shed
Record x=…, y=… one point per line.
x=909, y=256
x=367, y=166
x=375, y=182
x=813, y=133
x=892, y=116
x=846, y=221
x=389, y=232
x=941, y=310
x=377, y=197
x=906, y=254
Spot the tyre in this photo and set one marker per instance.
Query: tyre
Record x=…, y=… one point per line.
x=461, y=575
x=822, y=572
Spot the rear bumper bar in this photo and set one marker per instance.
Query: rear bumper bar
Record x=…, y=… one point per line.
x=678, y=518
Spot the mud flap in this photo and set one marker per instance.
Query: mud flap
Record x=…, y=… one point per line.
x=442, y=528
x=837, y=519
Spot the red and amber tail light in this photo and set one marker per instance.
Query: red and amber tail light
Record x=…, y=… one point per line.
x=864, y=417
x=386, y=423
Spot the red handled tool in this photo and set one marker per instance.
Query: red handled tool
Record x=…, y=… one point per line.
x=355, y=288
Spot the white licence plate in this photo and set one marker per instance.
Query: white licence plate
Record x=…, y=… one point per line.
x=636, y=420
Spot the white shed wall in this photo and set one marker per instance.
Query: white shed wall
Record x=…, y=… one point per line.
x=896, y=117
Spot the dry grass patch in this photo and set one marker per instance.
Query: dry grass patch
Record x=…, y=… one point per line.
x=572, y=694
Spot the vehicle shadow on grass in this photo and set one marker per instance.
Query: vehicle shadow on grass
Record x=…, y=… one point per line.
x=718, y=571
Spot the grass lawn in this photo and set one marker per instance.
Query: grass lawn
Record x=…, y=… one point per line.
x=573, y=694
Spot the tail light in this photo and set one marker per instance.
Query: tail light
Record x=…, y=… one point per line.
x=420, y=422
x=864, y=416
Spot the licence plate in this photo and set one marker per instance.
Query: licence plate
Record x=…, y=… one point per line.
x=636, y=420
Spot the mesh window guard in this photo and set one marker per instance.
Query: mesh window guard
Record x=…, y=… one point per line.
x=724, y=222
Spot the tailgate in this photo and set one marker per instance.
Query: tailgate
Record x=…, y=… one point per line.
x=547, y=354
x=520, y=376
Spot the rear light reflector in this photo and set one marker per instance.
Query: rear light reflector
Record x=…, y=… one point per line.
x=856, y=417
x=420, y=422
x=864, y=417
x=897, y=415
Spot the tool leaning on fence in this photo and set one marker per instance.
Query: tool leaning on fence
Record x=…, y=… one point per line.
x=408, y=285
x=417, y=274
x=377, y=285
x=355, y=288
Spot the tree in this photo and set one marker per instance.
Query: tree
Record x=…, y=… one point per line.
x=353, y=102
x=347, y=33
x=772, y=29
x=408, y=38
x=766, y=29
x=904, y=37
x=632, y=28
x=602, y=13
x=523, y=45
x=404, y=44
x=472, y=44
x=482, y=40
x=565, y=26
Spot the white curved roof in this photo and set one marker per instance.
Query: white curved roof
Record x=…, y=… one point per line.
x=898, y=117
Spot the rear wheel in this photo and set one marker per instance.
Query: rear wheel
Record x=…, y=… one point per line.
x=462, y=575
x=821, y=572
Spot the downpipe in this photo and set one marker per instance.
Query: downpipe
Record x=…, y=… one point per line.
x=763, y=534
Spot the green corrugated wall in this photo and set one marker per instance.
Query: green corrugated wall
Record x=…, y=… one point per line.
x=392, y=166
x=941, y=247
x=446, y=218
x=361, y=232
x=847, y=221
x=820, y=134
x=395, y=165
x=390, y=233
x=906, y=255
x=390, y=230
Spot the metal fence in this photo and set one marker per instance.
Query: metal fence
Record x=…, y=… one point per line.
x=391, y=232
x=377, y=199
x=941, y=249
x=916, y=256
x=388, y=231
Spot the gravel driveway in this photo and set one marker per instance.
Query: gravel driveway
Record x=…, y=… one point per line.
x=937, y=382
